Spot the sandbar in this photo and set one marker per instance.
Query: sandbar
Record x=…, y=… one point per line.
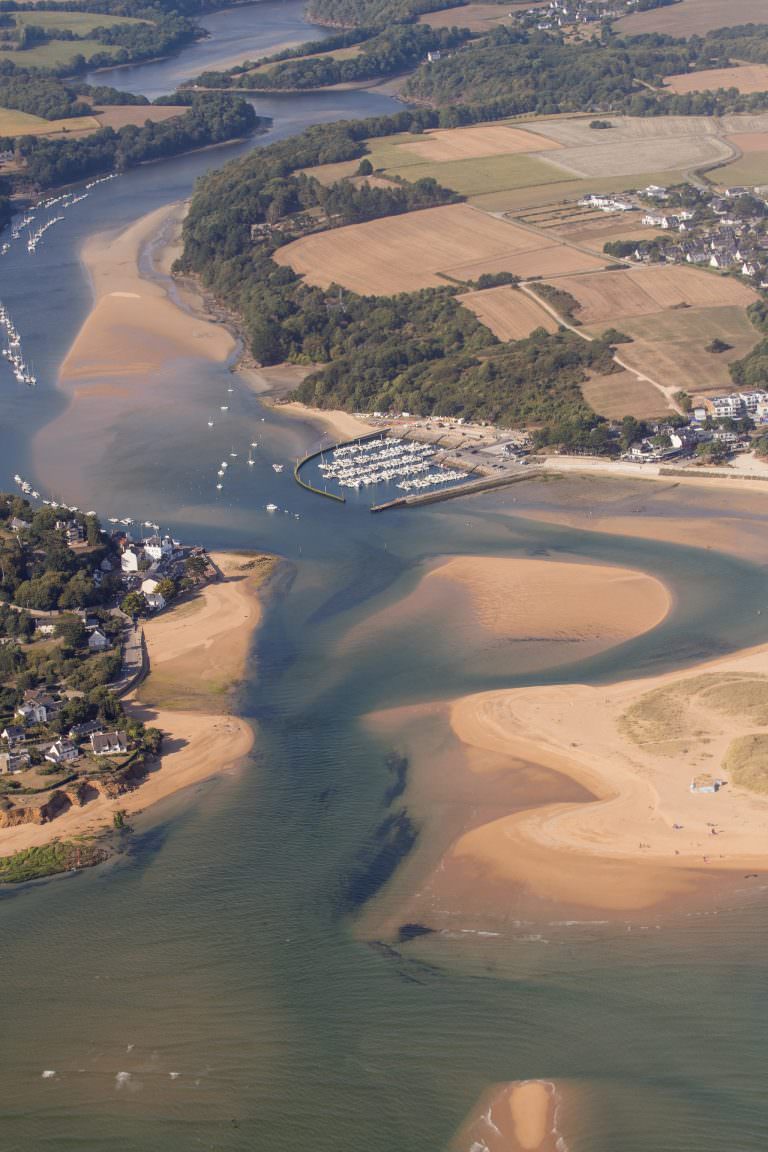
x=524, y=612
x=521, y=1116
x=134, y=328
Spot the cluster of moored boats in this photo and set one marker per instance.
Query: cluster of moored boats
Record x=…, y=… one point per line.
x=12, y=349
x=34, y=236
x=408, y=463
x=33, y=494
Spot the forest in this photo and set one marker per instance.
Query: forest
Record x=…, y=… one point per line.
x=384, y=54
x=211, y=119
x=535, y=71
x=373, y=13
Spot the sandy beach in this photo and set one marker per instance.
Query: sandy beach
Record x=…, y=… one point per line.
x=521, y=1116
x=198, y=653
x=334, y=421
x=637, y=747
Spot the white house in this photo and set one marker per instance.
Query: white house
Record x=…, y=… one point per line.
x=61, y=751
x=32, y=712
x=155, y=601
x=157, y=549
x=149, y=585
x=109, y=743
x=98, y=642
x=129, y=561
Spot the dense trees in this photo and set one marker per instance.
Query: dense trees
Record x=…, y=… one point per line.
x=211, y=119
x=374, y=13
x=384, y=54
x=537, y=71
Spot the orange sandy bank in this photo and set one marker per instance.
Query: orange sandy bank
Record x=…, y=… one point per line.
x=516, y=1117
x=636, y=746
x=545, y=611
x=198, y=652
x=134, y=328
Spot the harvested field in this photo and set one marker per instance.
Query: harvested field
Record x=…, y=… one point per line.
x=596, y=236
x=745, y=77
x=509, y=313
x=13, y=123
x=616, y=296
x=552, y=260
x=331, y=173
x=622, y=394
x=625, y=159
x=575, y=132
x=692, y=17
x=745, y=122
x=405, y=253
x=118, y=115
x=670, y=346
x=476, y=17
x=480, y=175
x=482, y=140
x=749, y=141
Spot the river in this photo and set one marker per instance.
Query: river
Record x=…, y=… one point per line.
x=221, y=946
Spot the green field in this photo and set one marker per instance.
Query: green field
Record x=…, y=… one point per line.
x=516, y=199
x=81, y=23
x=335, y=54
x=481, y=175
x=750, y=170
x=57, y=53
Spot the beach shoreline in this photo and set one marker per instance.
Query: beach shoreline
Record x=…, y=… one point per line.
x=199, y=654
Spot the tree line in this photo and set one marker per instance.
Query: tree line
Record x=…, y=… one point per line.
x=211, y=119
x=384, y=54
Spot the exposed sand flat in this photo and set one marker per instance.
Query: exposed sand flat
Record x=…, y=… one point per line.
x=517, y=1117
x=636, y=746
x=133, y=328
x=540, y=612
x=483, y=140
x=198, y=651
x=510, y=314
x=744, y=77
x=341, y=425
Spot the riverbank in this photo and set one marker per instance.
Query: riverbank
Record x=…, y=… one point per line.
x=198, y=654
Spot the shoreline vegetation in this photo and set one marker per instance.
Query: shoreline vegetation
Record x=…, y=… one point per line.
x=198, y=653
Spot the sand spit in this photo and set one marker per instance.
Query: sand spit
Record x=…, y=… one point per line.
x=522, y=1116
x=198, y=653
x=134, y=328
x=637, y=747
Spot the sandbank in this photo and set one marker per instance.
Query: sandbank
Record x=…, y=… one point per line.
x=198, y=652
x=518, y=610
x=636, y=746
x=521, y=1116
x=134, y=328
